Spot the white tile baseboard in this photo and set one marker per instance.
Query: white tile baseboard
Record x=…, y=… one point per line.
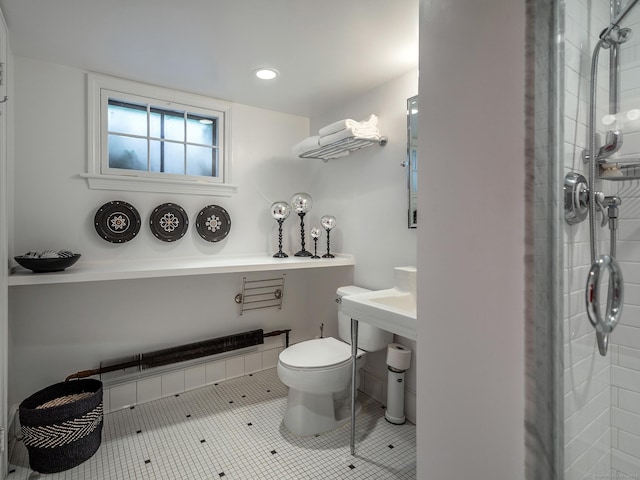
x=119, y=395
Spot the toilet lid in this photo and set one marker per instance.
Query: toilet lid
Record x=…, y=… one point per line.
x=320, y=352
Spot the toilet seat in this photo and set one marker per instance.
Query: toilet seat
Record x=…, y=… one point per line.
x=319, y=353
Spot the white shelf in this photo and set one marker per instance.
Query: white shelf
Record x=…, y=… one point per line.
x=87, y=271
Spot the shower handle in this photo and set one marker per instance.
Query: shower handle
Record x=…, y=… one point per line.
x=576, y=200
x=615, y=294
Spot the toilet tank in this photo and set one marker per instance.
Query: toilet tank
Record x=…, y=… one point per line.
x=370, y=339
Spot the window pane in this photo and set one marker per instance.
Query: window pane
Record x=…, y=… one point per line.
x=200, y=130
x=155, y=124
x=127, y=120
x=202, y=161
x=174, y=126
x=155, y=155
x=173, y=158
x=126, y=152
x=177, y=133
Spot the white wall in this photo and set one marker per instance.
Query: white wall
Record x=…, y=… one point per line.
x=367, y=193
x=55, y=209
x=74, y=326
x=471, y=240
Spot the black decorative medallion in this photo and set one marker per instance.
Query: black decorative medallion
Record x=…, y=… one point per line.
x=213, y=223
x=169, y=222
x=117, y=222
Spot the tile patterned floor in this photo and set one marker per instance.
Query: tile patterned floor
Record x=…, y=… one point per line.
x=234, y=431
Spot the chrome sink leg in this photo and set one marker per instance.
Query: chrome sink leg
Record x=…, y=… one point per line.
x=354, y=385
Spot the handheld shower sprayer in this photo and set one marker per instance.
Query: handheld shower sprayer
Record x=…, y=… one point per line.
x=577, y=199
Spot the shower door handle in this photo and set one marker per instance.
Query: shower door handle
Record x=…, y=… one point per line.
x=615, y=294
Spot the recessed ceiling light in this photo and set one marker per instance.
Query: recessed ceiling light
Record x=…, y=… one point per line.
x=266, y=73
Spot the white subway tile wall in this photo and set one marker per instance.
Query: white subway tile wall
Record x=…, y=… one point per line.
x=195, y=377
x=625, y=340
x=215, y=372
x=253, y=362
x=148, y=389
x=602, y=394
x=122, y=396
x=235, y=366
x=172, y=383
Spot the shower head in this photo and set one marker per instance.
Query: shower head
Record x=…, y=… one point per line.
x=615, y=36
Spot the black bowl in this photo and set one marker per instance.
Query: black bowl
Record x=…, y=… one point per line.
x=41, y=265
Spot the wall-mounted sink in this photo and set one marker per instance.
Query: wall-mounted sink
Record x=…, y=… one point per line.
x=399, y=300
x=393, y=309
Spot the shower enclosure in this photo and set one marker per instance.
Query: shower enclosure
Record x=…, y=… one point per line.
x=587, y=154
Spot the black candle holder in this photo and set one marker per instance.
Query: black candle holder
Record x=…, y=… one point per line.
x=303, y=252
x=315, y=234
x=301, y=203
x=328, y=222
x=280, y=211
x=280, y=253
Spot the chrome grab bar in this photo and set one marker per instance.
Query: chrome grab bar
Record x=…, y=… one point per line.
x=605, y=325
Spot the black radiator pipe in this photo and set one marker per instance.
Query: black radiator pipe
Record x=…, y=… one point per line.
x=186, y=352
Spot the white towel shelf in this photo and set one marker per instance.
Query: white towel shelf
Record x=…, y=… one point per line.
x=343, y=147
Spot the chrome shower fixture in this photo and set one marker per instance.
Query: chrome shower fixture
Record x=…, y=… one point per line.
x=613, y=143
x=576, y=200
x=615, y=35
x=579, y=202
x=611, y=204
x=576, y=209
x=604, y=325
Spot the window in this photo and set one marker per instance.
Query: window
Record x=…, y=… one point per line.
x=147, y=138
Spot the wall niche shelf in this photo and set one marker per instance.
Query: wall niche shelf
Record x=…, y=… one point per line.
x=87, y=271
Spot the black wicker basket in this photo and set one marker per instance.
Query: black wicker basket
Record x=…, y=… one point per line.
x=62, y=424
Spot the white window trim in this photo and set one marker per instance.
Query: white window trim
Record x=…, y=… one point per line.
x=131, y=181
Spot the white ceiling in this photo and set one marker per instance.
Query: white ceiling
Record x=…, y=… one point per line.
x=326, y=50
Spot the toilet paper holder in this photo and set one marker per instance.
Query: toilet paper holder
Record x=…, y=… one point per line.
x=398, y=362
x=398, y=357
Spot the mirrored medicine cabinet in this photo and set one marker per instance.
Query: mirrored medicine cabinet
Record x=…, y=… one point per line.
x=412, y=159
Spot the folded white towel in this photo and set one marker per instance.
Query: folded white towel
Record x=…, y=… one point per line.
x=368, y=133
x=310, y=143
x=334, y=127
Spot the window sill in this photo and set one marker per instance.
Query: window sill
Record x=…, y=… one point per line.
x=156, y=185
x=87, y=271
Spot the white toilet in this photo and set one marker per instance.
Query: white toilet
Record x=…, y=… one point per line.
x=318, y=374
